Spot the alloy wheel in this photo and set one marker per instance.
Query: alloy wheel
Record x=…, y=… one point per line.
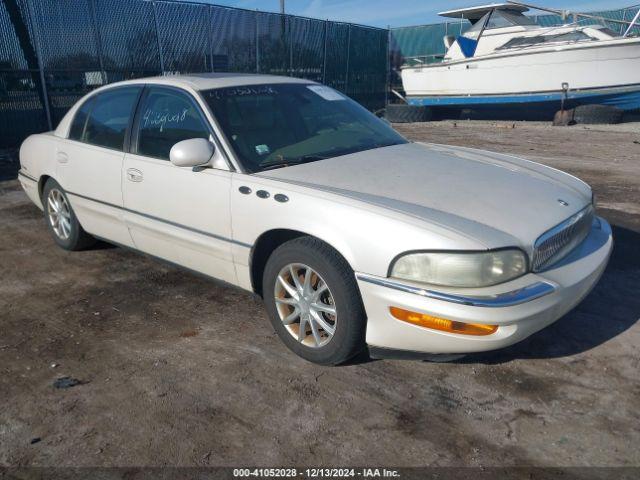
x=59, y=214
x=305, y=305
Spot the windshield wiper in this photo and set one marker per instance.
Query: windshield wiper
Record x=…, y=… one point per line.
x=385, y=144
x=287, y=162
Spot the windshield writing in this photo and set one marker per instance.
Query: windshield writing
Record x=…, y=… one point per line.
x=278, y=125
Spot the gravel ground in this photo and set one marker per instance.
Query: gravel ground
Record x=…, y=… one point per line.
x=180, y=370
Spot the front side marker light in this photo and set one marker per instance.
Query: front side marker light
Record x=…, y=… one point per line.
x=442, y=324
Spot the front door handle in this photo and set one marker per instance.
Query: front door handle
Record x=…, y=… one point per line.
x=134, y=175
x=62, y=157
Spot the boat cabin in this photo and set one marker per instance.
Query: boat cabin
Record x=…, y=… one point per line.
x=503, y=26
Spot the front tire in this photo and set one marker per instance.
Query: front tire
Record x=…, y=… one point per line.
x=313, y=301
x=61, y=219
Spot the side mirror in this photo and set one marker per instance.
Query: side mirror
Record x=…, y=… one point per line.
x=191, y=153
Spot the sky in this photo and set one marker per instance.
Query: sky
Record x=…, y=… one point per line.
x=399, y=13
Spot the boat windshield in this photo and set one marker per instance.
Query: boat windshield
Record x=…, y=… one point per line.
x=498, y=19
x=519, y=42
x=508, y=18
x=279, y=125
x=476, y=28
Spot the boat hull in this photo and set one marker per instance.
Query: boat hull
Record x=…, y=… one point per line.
x=531, y=83
x=530, y=106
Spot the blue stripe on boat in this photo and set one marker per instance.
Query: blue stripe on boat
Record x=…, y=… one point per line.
x=626, y=98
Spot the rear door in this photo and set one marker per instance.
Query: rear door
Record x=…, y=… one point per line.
x=180, y=214
x=90, y=162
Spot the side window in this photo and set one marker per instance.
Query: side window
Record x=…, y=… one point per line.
x=167, y=117
x=109, y=117
x=80, y=120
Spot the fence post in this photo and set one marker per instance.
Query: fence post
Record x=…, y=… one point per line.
x=160, y=52
x=96, y=35
x=257, y=43
x=287, y=31
x=210, y=9
x=346, y=77
x=324, y=53
x=36, y=41
x=388, y=82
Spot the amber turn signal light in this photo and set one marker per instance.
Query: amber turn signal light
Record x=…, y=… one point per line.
x=442, y=324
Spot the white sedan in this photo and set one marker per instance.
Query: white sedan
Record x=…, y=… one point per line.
x=353, y=236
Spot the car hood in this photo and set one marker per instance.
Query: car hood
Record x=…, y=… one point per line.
x=492, y=197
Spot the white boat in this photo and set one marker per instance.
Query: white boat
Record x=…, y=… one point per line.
x=506, y=62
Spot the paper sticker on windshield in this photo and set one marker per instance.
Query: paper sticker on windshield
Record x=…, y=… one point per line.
x=262, y=149
x=326, y=92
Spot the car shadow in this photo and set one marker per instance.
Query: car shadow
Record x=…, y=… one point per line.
x=609, y=310
x=102, y=245
x=359, y=359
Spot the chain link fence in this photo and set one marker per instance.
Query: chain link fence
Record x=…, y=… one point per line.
x=54, y=51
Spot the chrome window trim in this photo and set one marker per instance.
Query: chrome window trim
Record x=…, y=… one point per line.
x=507, y=299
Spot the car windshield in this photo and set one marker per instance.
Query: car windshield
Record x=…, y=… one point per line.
x=277, y=125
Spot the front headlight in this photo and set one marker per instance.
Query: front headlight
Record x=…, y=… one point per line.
x=460, y=269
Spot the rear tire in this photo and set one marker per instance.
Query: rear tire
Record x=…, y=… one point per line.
x=293, y=262
x=61, y=219
x=397, y=113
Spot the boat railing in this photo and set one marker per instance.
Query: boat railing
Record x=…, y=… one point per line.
x=633, y=23
x=629, y=25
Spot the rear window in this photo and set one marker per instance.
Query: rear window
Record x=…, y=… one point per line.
x=109, y=118
x=80, y=120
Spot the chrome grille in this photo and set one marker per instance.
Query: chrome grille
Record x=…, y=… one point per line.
x=554, y=244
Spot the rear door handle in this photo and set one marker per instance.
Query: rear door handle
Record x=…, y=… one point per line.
x=62, y=157
x=134, y=175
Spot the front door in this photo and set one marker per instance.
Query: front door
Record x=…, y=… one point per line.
x=179, y=214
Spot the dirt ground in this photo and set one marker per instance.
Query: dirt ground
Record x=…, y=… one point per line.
x=180, y=370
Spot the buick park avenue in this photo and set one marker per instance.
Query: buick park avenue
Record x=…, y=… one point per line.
x=353, y=236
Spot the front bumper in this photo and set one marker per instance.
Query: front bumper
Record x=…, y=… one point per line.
x=520, y=307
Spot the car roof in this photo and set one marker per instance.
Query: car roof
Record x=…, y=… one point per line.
x=198, y=82
x=207, y=81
